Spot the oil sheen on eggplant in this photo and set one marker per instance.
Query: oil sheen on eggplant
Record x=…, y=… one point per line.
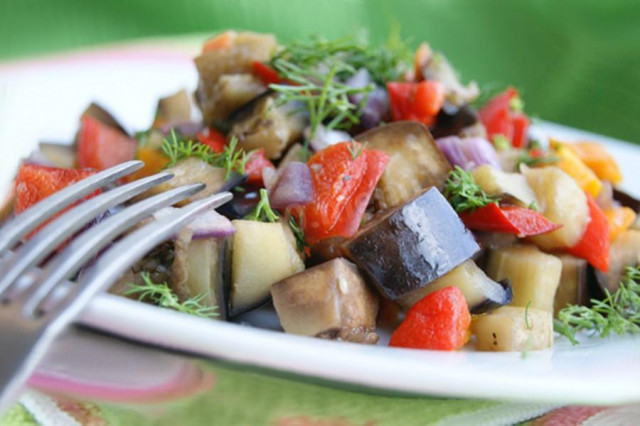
x=412, y=246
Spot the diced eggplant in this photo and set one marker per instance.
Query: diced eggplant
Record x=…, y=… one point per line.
x=560, y=200
x=238, y=59
x=630, y=201
x=416, y=162
x=514, y=185
x=261, y=255
x=624, y=251
x=512, y=328
x=268, y=125
x=452, y=120
x=481, y=292
x=438, y=68
x=573, y=288
x=102, y=115
x=194, y=170
x=330, y=300
x=173, y=109
x=157, y=263
x=495, y=240
x=232, y=91
x=533, y=274
x=242, y=204
x=60, y=155
x=412, y=246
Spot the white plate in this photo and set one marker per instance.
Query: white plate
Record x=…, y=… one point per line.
x=42, y=100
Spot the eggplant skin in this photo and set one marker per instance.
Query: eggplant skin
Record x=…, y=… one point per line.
x=412, y=246
x=488, y=304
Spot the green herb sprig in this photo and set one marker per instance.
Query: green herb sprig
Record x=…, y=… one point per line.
x=231, y=159
x=463, y=193
x=617, y=313
x=162, y=295
x=356, y=149
x=298, y=232
x=263, y=211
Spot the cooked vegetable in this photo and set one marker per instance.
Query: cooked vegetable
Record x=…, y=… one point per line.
x=512, y=328
x=571, y=164
x=293, y=186
x=7, y=204
x=256, y=162
x=501, y=116
x=468, y=153
x=514, y=186
x=330, y=300
x=594, y=243
x=209, y=224
x=97, y=112
x=508, y=219
x=624, y=251
x=173, y=110
x=618, y=313
x=598, y=159
x=534, y=275
x=261, y=254
x=344, y=177
x=438, y=321
x=416, y=101
x=415, y=162
x=412, y=246
x=573, y=288
x=265, y=124
x=456, y=121
x=62, y=156
x=205, y=262
x=481, y=292
x=101, y=146
x=619, y=219
x=560, y=200
x=323, y=137
x=214, y=139
x=235, y=56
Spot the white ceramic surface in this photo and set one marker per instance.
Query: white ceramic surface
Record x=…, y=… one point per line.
x=42, y=100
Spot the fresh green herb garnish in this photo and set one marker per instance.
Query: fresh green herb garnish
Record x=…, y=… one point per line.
x=298, y=232
x=464, y=194
x=501, y=143
x=531, y=161
x=533, y=206
x=617, y=313
x=231, y=159
x=526, y=315
x=263, y=211
x=163, y=296
x=356, y=149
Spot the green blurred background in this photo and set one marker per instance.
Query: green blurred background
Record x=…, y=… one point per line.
x=576, y=62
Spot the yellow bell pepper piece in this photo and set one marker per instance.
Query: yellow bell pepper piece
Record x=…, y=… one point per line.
x=598, y=159
x=620, y=219
x=571, y=164
x=154, y=161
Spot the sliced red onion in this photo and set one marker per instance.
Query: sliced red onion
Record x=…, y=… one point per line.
x=185, y=129
x=293, y=187
x=361, y=79
x=468, y=153
x=376, y=110
x=325, y=137
x=209, y=224
x=269, y=177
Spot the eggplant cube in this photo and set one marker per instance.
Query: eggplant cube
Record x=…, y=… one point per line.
x=412, y=246
x=330, y=300
x=512, y=328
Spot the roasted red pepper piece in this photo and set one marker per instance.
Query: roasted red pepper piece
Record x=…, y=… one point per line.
x=508, y=219
x=34, y=183
x=344, y=176
x=416, y=101
x=438, y=321
x=594, y=244
x=101, y=146
x=499, y=118
x=213, y=139
x=255, y=164
x=265, y=73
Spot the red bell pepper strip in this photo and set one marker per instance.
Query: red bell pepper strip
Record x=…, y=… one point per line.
x=594, y=244
x=265, y=73
x=213, y=139
x=255, y=164
x=416, y=101
x=438, y=321
x=343, y=184
x=34, y=183
x=508, y=219
x=499, y=118
x=101, y=146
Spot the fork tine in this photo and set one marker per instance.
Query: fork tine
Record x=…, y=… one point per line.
x=44, y=243
x=90, y=243
x=115, y=261
x=34, y=216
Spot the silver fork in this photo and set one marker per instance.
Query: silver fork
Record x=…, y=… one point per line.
x=30, y=316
